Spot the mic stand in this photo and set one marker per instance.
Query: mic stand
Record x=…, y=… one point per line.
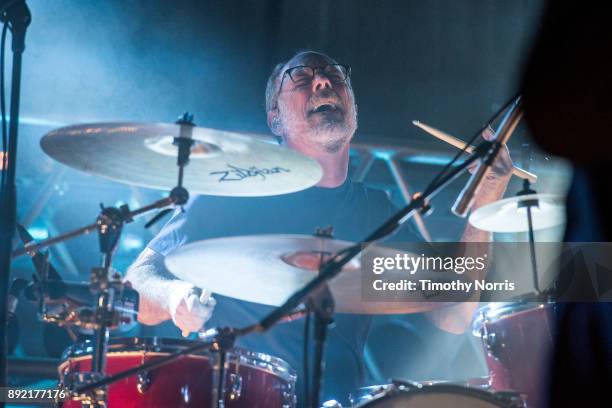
x=18, y=15
x=321, y=303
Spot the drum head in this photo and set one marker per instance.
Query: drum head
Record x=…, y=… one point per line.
x=441, y=396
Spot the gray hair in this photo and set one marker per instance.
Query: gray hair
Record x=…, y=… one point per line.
x=272, y=90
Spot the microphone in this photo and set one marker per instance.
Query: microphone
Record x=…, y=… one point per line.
x=506, y=128
x=17, y=286
x=12, y=325
x=38, y=259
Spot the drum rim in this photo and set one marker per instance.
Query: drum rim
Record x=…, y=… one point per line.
x=254, y=359
x=382, y=388
x=503, y=400
x=496, y=311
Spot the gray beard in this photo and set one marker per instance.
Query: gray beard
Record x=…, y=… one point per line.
x=332, y=136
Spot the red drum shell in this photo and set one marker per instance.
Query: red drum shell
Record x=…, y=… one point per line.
x=263, y=381
x=518, y=339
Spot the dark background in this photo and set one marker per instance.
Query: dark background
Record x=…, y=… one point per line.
x=450, y=64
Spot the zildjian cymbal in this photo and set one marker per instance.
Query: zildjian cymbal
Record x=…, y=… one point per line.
x=221, y=163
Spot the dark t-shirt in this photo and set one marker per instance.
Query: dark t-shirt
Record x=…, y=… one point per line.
x=352, y=209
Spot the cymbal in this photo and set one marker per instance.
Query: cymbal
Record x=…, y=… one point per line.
x=267, y=269
x=506, y=216
x=221, y=163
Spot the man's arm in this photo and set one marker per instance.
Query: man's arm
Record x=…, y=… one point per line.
x=457, y=318
x=164, y=297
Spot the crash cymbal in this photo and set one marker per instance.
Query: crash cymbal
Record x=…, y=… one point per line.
x=221, y=163
x=267, y=269
x=507, y=216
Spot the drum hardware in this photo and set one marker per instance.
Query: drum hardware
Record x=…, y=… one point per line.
x=321, y=304
x=95, y=398
x=219, y=365
x=17, y=16
x=235, y=387
x=143, y=382
x=488, y=339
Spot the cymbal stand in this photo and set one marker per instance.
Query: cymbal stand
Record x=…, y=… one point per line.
x=528, y=205
x=321, y=304
x=526, y=155
x=109, y=226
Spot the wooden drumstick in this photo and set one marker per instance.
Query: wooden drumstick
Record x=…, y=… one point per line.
x=460, y=144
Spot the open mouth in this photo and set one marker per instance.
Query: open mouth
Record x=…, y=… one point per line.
x=324, y=108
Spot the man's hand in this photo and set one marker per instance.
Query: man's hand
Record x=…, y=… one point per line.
x=188, y=309
x=457, y=318
x=497, y=178
x=502, y=166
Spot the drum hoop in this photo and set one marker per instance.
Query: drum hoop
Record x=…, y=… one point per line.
x=157, y=345
x=502, y=400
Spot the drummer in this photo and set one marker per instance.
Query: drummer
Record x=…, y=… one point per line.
x=311, y=108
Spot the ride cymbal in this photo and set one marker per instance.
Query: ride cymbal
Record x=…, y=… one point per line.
x=267, y=269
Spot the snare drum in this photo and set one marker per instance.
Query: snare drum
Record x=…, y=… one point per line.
x=517, y=338
x=434, y=396
x=253, y=380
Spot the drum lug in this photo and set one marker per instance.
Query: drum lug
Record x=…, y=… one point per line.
x=289, y=397
x=493, y=345
x=289, y=400
x=489, y=339
x=143, y=382
x=235, y=387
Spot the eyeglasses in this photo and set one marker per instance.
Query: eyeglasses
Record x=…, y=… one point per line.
x=303, y=75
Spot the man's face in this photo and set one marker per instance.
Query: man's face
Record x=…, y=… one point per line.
x=320, y=113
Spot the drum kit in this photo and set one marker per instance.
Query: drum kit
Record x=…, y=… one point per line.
x=276, y=270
